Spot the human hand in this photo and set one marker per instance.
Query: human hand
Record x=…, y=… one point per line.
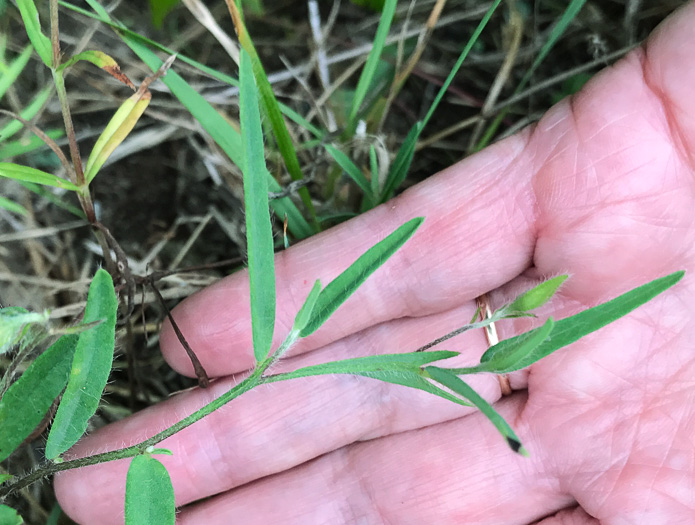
x=602, y=189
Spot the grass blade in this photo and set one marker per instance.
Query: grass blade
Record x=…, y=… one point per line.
x=41, y=42
x=14, y=70
x=401, y=164
x=272, y=109
x=343, y=286
x=91, y=367
x=572, y=328
x=27, y=174
x=149, y=494
x=367, y=75
x=27, y=113
x=350, y=168
x=12, y=206
x=259, y=232
x=28, y=400
x=449, y=380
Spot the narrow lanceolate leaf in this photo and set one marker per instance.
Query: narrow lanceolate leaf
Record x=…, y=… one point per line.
x=449, y=380
x=537, y=296
x=307, y=308
x=343, y=286
x=515, y=356
x=27, y=113
x=572, y=328
x=28, y=400
x=350, y=168
x=9, y=516
x=90, y=367
x=27, y=174
x=370, y=66
x=13, y=320
x=149, y=494
x=12, y=206
x=103, y=61
x=118, y=128
x=259, y=233
x=401, y=164
x=41, y=42
x=10, y=74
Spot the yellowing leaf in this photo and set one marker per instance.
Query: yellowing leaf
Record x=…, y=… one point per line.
x=102, y=60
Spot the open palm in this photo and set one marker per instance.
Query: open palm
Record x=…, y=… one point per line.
x=603, y=189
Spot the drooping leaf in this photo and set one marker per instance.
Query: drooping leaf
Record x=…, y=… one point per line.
x=343, y=286
x=572, y=328
x=259, y=233
x=149, y=494
x=451, y=381
x=91, y=366
x=27, y=174
x=9, y=516
x=28, y=399
x=118, y=128
x=41, y=42
x=103, y=61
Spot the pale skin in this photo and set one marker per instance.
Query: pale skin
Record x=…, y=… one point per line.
x=601, y=188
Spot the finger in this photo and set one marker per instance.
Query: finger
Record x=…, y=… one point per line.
x=474, y=239
x=573, y=516
x=451, y=473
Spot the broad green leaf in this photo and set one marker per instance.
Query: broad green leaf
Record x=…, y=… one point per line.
x=259, y=232
x=41, y=42
x=27, y=174
x=149, y=494
x=449, y=380
x=13, y=207
x=13, y=320
x=13, y=71
x=160, y=9
x=5, y=477
x=271, y=108
x=537, y=296
x=343, y=286
x=27, y=113
x=304, y=314
x=9, y=516
x=118, y=128
x=370, y=66
x=572, y=328
x=514, y=354
x=28, y=399
x=91, y=366
x=350, y=168
x=101, y=60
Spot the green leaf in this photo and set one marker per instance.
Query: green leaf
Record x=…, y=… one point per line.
x=343, y=286
x=27, y=174
x=91, y=366
x=13, y=321
x=449, y=380
x=304, y=314
x=515, y=355
x=259, y=232
x=9, y=516
x=27, y=113
x=115, y=132
x=14, y=70
x=572, y=328
x=5, y=477
x=101, y=60
x=271, y=109
x=149, y=494
x=14, y=208
x=370, y=66
x=28, y=399
x=374, y=167
x=537, y=296
x=41, y=42
x=350, y=168
x=401, y=164
x=160, y=9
